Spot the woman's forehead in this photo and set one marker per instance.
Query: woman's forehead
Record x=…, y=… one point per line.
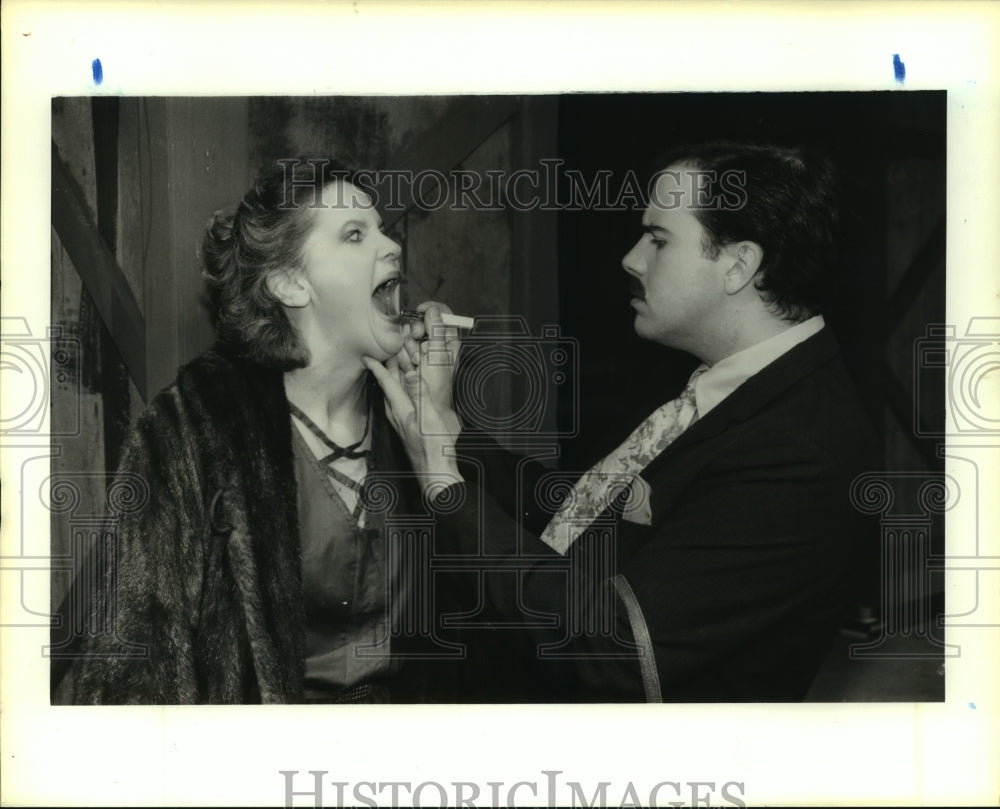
x=342, y=194
x=342, y=202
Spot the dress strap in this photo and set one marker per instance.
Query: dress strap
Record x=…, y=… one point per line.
x=357, y=486
x=351, y=451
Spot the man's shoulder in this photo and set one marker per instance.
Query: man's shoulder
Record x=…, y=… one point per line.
x=820, y=411
x=808, y=384
x=802, y=410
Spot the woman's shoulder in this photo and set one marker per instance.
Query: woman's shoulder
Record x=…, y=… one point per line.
x=216, y=365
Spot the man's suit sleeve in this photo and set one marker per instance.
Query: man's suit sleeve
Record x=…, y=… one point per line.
x=742, y=562
x=742, y=579
x=499, y=518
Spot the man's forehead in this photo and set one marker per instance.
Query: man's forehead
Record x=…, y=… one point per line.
x=659, y=219
x=671, y=198
x=672, y=182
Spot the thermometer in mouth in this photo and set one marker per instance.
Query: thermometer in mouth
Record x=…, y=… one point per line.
x=458, y=321
x=385, y=301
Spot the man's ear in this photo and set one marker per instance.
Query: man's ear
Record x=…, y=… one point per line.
x=289, y=287
x=745, y=258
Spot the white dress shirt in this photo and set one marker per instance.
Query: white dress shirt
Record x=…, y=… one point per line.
x=727, y=375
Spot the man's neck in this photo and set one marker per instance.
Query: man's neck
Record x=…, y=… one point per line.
x=739, y=332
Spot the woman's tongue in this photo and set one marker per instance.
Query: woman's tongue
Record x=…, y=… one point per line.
x=384, y=299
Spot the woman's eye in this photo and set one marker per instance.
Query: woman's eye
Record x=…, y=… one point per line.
x=354, y=235
x=658, y=242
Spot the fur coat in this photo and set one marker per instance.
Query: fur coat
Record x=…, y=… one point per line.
x=203, y=597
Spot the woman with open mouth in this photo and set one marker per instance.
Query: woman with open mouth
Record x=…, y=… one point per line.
x=266, y=564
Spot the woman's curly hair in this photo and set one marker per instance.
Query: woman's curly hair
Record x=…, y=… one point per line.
x=263, y=235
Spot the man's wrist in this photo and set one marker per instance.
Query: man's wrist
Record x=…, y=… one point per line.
x=452, y=423
x=435, y=483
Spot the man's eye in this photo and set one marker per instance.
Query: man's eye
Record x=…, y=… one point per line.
x=658, y=242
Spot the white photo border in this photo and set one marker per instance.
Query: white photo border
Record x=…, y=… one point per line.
x=822, y=754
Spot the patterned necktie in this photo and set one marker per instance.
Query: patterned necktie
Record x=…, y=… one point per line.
x=609, y=479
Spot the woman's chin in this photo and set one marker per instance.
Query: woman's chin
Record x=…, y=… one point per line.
x=385, y=336
x=386, y=346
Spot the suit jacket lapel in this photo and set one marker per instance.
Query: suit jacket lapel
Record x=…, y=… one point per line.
x=755, y=393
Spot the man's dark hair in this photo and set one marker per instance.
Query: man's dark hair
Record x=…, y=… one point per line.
x=263, y=234
x=788, y=205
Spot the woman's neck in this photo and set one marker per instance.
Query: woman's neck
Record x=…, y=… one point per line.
x=333, y=396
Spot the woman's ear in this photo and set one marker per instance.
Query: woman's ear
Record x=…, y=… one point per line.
x=746, y=258
x=289, y=287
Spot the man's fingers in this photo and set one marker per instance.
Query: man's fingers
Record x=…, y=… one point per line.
x=386, y=377
x=396, y=397
x=438, y=333
x=441, y=307
x=412, y=382
x=442, y=338
x=435, y=327
x=417, y=330
x=392, y=367
x=405, y=357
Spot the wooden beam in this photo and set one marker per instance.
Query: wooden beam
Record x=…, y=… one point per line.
x=458, y=133
x=98, y=270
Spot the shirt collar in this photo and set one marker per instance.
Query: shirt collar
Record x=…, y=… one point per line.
x=727, y=375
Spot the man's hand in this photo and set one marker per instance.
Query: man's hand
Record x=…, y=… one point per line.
x=427, y=434
x=435, y=357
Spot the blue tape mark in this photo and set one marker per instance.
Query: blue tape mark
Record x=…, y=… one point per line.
x=98, y=71
x=898, y=68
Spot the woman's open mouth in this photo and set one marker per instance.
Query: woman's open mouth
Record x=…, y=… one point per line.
x=385, y=296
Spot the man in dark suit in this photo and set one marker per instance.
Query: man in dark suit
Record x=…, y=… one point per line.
x=709, y=557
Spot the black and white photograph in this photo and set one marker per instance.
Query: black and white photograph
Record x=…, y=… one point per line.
x=313, y=564
x=502, y=417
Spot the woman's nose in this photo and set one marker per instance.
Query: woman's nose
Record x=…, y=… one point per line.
x=390, y=250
